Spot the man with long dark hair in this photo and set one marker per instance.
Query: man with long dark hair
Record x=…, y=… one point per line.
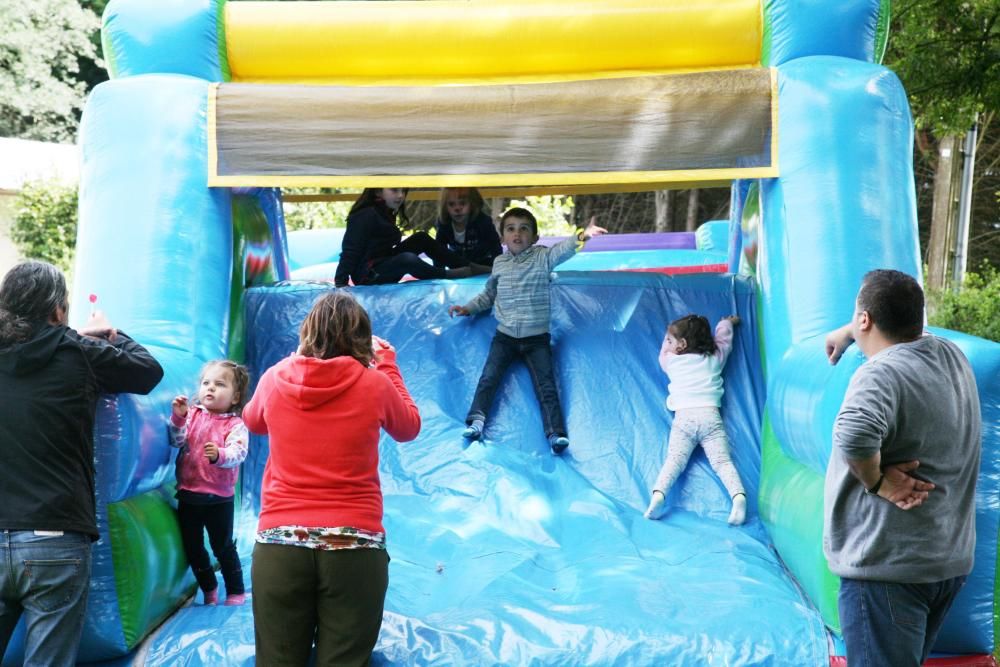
x=50, y=377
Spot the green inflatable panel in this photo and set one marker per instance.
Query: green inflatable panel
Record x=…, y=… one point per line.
x=793, y=494
x=152, y=576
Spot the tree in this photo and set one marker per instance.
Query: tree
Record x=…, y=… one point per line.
x=947, y=54
x=44, y=227
x=41, y=44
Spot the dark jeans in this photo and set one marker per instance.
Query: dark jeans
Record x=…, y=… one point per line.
x=406, y=259
x=334, y=598
x=893, y=625
x=217, y=519
x=537, y=354
x=45, y=578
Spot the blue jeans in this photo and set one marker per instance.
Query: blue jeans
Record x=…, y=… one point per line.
x=893, y=625
x=537, y=354
x=47, y=578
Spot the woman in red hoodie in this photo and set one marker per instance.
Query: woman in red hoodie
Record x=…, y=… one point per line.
x=320, y=568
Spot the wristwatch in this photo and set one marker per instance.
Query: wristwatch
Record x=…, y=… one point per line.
x=878, y=485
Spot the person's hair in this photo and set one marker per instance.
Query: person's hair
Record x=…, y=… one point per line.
x=241, y=381
x=337, y=326
x=369, y=196
x=29, y=295
x=895, y=302
x=523, y=213
x=475, y=203
x=696, y=332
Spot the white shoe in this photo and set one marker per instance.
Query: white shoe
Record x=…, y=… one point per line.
x=655, y=509
x=739, y=512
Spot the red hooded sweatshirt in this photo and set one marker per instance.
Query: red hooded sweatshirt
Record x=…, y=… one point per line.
x=323, y=418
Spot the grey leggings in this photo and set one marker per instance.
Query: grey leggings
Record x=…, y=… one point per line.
x=692, y=427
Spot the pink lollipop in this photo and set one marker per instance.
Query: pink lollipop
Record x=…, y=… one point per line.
x=93, y=301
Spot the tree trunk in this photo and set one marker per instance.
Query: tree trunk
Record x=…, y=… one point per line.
x=664, y=203
x=942, y=240
x=692, y=214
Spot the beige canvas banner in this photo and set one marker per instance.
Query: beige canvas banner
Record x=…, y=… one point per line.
x=648, y=129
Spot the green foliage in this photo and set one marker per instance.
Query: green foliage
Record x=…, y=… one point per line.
x=974, y=310
x=44, y=226
x=41, y=45
x=947, y=54
x=553, y=213
x=314, y=215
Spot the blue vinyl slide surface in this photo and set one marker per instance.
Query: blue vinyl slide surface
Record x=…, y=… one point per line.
x=503, y=554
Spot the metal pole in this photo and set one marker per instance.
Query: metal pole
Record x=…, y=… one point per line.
x=965, y=208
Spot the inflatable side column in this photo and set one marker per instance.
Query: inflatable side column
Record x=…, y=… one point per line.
x=843, y=205
x=155, y=246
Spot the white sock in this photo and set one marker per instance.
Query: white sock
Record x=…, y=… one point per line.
x=739, y=512
x=655, y=509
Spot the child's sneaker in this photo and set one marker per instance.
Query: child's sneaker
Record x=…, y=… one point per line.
x=236, y=600
x=558, y=443
x=474, y=431
x=211, y=597
x=655, y=509
x=739, y=512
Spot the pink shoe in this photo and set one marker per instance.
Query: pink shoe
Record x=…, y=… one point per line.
x=211, y=597
x=235, y=600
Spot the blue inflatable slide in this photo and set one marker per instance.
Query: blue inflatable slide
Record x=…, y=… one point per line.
x=501, y=553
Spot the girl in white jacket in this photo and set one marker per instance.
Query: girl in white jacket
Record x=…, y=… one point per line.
x=693, y=360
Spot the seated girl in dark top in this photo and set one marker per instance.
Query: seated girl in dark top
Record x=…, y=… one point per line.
x=374, y=252
x=465, y=229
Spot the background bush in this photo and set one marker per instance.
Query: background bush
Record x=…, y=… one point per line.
x=975, y=310
x=44, y=225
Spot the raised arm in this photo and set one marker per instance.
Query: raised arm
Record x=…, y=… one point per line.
x=563, y=250
x=402, y=419
x=253, y=412
x=724, y=337
x=837, y=341
x=122, y=366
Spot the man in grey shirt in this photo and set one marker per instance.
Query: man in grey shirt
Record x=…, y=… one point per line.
x=899, y=524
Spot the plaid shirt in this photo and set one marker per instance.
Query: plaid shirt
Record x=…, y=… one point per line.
x=518, y=287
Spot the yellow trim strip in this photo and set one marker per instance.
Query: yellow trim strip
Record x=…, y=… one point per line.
x=213, y=146
x=605, y=178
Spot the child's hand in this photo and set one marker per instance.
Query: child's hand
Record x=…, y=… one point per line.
x=98, y=326
x=180, y=407
x=592, y=229
x=733, y=319
x=458, y=310
x=211, y=451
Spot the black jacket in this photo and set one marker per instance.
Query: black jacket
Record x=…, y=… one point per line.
x=482, y=243
x=48, y=398
x=371, y=235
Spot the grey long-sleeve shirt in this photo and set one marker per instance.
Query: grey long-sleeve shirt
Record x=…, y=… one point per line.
x=915, y=400
x=518, y=288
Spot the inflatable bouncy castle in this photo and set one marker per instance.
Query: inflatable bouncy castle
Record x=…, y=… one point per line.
x=502, y=554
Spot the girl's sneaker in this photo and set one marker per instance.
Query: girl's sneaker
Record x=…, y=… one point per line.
x=739, y=512
x=558, y=443
x=655, y=509
x=236, y=600
x=211, y=597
